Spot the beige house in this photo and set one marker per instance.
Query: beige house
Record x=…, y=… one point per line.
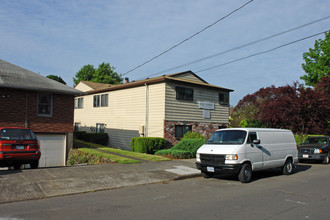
x=166, y=106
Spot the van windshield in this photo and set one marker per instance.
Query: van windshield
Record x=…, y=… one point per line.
x=227, y=137
x=16, y=134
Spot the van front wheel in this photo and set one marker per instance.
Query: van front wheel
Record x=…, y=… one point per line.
x=245, y=174
x=288, y=167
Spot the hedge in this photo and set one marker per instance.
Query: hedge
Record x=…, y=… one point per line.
x=186, y=149
x=97, y=138
x=147, y=145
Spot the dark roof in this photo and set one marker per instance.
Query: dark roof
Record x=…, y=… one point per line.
x=13, y=76
x=170, y=77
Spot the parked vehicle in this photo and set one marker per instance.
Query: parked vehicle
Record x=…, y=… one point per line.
x=240, y=151
x=315, y=148
x=18, y=146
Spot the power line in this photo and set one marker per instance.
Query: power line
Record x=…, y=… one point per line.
x=263, y=52
x=176, y=45
x=240, y=47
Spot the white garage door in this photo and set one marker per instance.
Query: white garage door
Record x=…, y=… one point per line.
x=52, y=149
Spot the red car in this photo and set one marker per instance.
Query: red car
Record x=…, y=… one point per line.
x=18, y=146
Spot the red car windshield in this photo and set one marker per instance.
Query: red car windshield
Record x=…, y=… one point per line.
x=16, y=134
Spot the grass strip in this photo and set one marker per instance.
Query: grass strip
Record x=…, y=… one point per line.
x=135, y=154
x=125, y=152
x=115, y=158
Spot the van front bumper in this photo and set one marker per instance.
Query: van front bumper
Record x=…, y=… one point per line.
x=223, y=168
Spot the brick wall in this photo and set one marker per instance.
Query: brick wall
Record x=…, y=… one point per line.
x=206, y=129
x=13, y=111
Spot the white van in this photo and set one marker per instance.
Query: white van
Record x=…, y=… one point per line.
x=240, y=151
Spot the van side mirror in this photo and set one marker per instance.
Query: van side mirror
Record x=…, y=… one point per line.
x=256, y=141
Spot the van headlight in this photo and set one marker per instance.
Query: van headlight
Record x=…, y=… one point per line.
x=317, y=151
x=231, y=157
x=198, y=157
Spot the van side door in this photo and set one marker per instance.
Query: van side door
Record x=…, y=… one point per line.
x=254, y=151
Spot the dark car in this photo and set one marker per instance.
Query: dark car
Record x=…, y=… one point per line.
x=315, y=148
x=18, y=146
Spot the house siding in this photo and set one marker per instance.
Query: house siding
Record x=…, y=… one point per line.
x=83, y=87
x=183, y=110
x=156, y=110
x=188, y=76
x=122, y=118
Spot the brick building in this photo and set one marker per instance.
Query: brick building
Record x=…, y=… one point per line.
x=32, y=101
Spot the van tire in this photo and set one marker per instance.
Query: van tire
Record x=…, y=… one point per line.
x=287, y=169
x=245, y=174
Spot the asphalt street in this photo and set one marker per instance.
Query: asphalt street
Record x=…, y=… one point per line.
x=302, y=195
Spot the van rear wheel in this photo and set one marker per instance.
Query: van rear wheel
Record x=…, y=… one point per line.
x=245, y=174
x=288, y=167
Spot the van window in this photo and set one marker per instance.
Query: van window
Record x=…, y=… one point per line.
x=252, y=137
x=228, y=137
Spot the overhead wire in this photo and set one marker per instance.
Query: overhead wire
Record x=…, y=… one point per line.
x=240, y=47
x=183, y=41
x=263, y=52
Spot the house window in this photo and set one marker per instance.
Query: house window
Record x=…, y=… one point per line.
x=77, y=126
x=45, y=105
x=104, y=100
x=224, y=98
x=181, y=130
x=79, y=103
x=96, y=102
x=101, y=100
x=99, y=128
x=184, y=93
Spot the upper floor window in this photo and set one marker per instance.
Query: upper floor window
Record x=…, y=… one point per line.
x=101, y=100
x=79, y=103
x=184, y=93
x=45, y=105
x=224, y=98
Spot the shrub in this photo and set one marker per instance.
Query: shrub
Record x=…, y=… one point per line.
x=193, y=135
x=186, y=149
x=97, y=138
x=176, y=154
x=147, y=145
x=79, y=157
x=78, y=134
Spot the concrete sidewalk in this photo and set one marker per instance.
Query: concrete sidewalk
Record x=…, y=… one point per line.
x=41, y=183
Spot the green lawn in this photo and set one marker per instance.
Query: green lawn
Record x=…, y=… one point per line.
x=122, y=152
x=115, y=158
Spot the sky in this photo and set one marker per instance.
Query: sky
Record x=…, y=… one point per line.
x=59, y=37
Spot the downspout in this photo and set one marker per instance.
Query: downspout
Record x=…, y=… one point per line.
x=146, y=111
x=26, y=110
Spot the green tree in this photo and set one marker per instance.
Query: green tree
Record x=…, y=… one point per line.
x=56, y=78
x=106, y=74
x=86, y=73
x=317, y=61
x=103, y=74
